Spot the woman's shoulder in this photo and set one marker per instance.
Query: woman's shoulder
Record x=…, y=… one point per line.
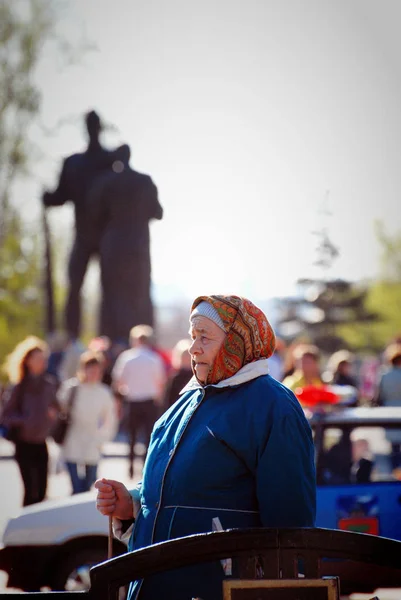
x=266, y=383
x=268, y=393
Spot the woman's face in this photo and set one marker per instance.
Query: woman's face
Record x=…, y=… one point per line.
x=207, y=339
x=36, y=363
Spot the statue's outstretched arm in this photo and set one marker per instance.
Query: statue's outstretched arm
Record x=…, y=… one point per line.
x=62, y=194
x=155, y=208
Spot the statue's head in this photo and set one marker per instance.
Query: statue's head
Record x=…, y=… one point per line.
x=93, y=124
x=122, y=156
x=123, y=153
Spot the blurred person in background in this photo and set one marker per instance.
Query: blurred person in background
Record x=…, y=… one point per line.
x=70, y=361
x=57, y=342
x=30, y=413
x=92, y=421
x=307, y=368
x=276, y=361
x=389, y=392
x=340, y=367
x=102, y=345
x=139, y=376
x=369, y=375
x=182, y=373
x=289, y=359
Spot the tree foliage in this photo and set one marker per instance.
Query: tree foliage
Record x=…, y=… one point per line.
x=324, y=308
x=20, y=285
x=390, y=254
x=384, y=298
x=24, y=29
x=25, y=26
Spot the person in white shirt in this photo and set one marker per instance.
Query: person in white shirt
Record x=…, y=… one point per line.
x=92, y=421
x=139, y=376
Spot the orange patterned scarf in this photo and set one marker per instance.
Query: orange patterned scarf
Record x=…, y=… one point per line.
x=249, y=336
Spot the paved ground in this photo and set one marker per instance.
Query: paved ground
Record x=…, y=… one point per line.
x=114, y=465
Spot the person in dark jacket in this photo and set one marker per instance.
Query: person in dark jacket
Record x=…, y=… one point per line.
x=30, y=412
x=182, y=373
x=235, y=450
x=341, y=366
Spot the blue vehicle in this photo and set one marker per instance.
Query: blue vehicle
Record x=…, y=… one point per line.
x=358, y=469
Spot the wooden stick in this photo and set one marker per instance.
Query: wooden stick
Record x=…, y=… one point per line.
x=110, y=545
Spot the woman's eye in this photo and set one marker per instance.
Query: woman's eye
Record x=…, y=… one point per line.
x=203, y=339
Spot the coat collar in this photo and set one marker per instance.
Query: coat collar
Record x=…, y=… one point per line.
x=250, y=371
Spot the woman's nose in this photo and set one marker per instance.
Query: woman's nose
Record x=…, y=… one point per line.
x=194, y=348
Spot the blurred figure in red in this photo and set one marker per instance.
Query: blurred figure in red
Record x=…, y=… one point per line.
x=181, y=362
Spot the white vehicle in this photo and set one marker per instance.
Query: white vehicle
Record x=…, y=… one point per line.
x=53, y=544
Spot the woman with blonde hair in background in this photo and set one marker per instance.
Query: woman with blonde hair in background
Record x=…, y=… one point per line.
x=30, y=413
x=307, y=368
x=92, y=421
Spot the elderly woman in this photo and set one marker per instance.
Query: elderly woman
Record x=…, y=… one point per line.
x=235, y=450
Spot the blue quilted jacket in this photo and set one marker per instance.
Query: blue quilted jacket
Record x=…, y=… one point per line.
x=240, y=454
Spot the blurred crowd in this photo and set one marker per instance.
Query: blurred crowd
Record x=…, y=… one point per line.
x=96, y=393
x=372, y=381
x=92, y=395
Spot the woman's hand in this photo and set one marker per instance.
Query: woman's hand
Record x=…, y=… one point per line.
x=113, y=499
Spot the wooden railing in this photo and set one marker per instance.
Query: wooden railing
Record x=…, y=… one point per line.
x=362, y=562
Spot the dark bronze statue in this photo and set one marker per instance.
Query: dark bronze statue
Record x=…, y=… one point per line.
x=113, y=205
x=77, y=175
x=122, y=202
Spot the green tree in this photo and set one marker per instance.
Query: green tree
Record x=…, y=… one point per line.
x=383, y=298
x=26, y=26
x=20, y=279
x=326, y=306
x=390, y=254
x=24, y=29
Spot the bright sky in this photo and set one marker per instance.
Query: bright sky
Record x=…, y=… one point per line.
x=245, y=114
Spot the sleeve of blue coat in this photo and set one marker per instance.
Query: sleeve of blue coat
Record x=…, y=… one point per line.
x=285, y=475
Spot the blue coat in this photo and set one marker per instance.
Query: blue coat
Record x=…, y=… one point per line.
x=242, y=453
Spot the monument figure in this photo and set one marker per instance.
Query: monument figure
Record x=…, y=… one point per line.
x=122, y=202
x=78, y=173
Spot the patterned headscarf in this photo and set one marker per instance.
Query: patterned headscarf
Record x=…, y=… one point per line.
x=249, y=336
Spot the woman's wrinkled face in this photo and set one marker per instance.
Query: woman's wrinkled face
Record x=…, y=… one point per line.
x=36, y=362
x=207, y=339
